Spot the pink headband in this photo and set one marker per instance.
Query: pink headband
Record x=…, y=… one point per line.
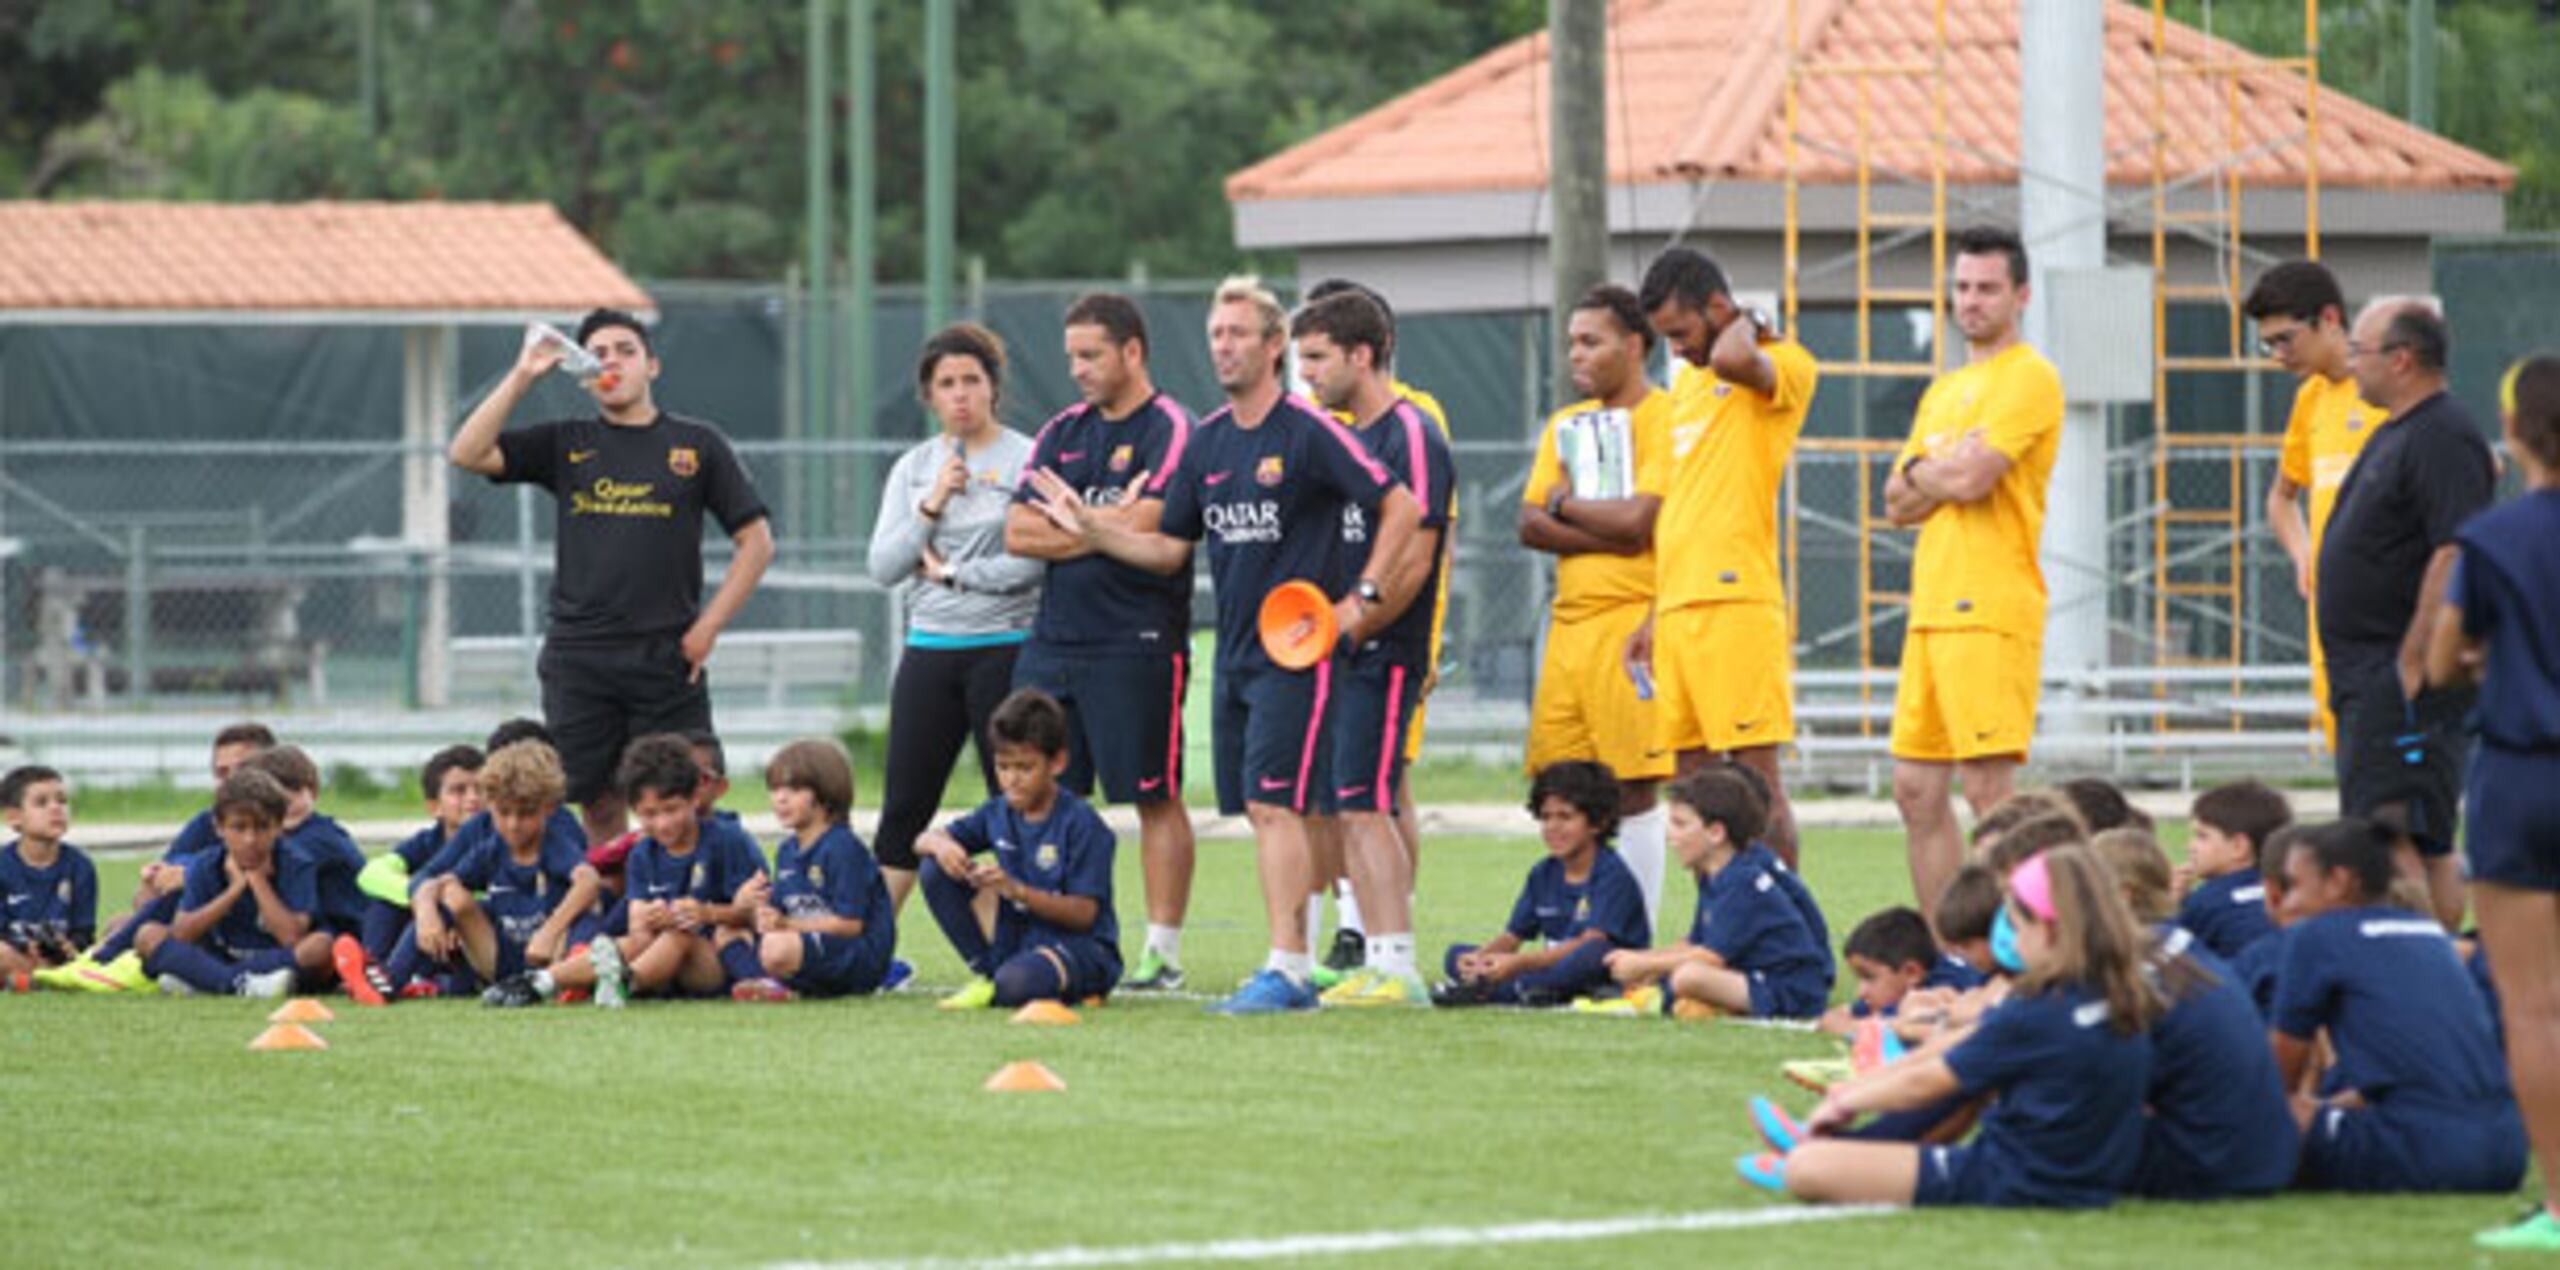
x=2032, y=883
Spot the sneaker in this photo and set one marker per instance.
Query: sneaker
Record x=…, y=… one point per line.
x=1637, y=1002
x=574, y=996
x=124, y=974
x=65, y=977
x=1324, y=978
x=1767, y=1170
x=420, y=990
x=1350, y=951
x=1154, y=974
x=1267, y=992
x=2536, y=1231
x=769, y=990
x=613, y=975
x=1350, y=986
x=1776, y=1127
x=22, y=981
x=899, y=972
x=977, y=994
x=1380, y=988
x=268, y=986
x=1689, y=1011
x=357, y=974
x=1459, y=994
x=1873, y=1045
x=169, y=985
x=1817, y=1074
x=511, y=993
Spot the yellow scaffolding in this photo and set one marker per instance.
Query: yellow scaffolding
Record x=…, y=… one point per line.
x=2222, y=590
x=1868, y=153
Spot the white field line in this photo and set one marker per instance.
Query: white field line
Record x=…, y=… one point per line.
x=1074, y=1257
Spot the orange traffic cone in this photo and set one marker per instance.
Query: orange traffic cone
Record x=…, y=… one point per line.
x=301, y=1010
x=288, y=1036
x=1047, y=1013
x=1025, y=1077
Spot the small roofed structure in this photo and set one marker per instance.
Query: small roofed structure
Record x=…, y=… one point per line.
x=1437, y=197
x=426, y=268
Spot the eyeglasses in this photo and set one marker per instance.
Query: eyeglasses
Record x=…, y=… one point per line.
x=2276, y=344
x=2359, y=350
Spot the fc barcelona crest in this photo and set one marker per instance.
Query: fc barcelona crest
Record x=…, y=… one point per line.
x=684, y=460
x=1269, y=473
x=817, y=875
x=1046, y=858
x=1121, y=458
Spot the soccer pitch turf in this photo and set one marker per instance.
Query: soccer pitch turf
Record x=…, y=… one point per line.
x=720, y=1134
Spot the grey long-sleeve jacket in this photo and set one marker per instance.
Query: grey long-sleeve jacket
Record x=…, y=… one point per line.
x=997, y=593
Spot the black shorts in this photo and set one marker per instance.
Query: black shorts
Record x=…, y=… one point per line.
x=1372, y=715
x=597, y=696
x=1268, y=735
x=1124, y=717
x=2398, y=759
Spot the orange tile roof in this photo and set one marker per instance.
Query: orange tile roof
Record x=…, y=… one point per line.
x=1697, y=89
x=302, y=258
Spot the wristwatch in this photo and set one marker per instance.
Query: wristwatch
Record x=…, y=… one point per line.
x=1555, y=501
x=1367, y=591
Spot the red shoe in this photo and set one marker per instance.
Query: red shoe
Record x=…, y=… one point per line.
x=420, y=990
x=21, y=981
x=767, y=990
x=355, y=972
x=576, y=996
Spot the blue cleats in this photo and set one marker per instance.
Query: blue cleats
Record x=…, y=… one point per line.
x=1268, y=992
x=1776, y=1127
x=1767, y=1170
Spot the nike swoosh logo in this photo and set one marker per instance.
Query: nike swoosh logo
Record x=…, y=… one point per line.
x=1070, y=456
x=1268, y=783
x=581, y=456
x=1351, y=791
x=1214, y=478
x=1151, y=782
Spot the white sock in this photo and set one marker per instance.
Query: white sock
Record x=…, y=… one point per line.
x=1391, y=954
x=1296, y=967
x=1346, y=907
x=545, y=984
x=1640, y=845
x=1314, y=919
x=1165, y=942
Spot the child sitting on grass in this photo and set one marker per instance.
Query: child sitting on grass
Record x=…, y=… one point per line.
x=2418, y=1098
x=1054, y=935
x=2219, y=1125
x=826, y=928
x=451, y=782
x=334, y=857
x=2222, y=898
x=1892, y=955
x=1750, y=949
x=1581, y=902
x=2066, y=1054
x=509, y=892
x=113, y=965
x=686, y=888
x=48, y=888
x=245, y=917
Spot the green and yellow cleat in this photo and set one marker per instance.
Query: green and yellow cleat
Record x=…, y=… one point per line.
x=977, y=994
x=2538, y=1231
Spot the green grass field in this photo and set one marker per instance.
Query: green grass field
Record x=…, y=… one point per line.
x=716, y=1134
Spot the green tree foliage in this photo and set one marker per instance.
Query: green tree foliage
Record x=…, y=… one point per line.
x=2497, y=73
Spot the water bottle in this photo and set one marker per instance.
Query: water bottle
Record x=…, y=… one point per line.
x=575, y=361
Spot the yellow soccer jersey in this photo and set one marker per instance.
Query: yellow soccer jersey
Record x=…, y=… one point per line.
x=2328, y=429
x=1588, y=584
x=1975, y=567
x=1717, y=538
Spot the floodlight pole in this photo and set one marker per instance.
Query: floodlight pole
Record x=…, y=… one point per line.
x=941, y=155
x=2062, y=188
x=862, y=246
x=1578, y=177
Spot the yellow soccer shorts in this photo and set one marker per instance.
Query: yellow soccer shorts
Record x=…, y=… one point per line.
x=1586, y=707
x=1966, y=694
x=1723, y=677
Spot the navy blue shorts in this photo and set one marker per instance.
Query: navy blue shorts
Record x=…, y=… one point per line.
x=2397, y=1147
x=2514, y=837
x=1977, y=1176
x=1268, y=735
x=1372, y=715
x=1093, y=969
x=1124, y=718
x=2399, y=756
x=834, y=966
x=1791, y=997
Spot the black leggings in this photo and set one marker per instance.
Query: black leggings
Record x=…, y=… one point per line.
x=940, y=698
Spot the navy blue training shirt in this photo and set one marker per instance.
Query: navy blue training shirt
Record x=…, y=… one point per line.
x=519, y=896
x=2220, y=1122
x=335, y=860
x=1068, y=852
x=2068, y=1123
x=2508, y=588
x=195, y=838
x=723, y=859
x=1949, y=971
x=1555, y=909
x=52, y=905
x=1094, y=603
x=2228, y=913
x=1269, y=500
x=1412, y=450
x=2401, y=1009
x=1747, y=917
x=834, y=877
x=296, y=882
x=420, y=847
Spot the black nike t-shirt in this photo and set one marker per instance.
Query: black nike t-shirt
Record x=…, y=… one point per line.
x=629, y=518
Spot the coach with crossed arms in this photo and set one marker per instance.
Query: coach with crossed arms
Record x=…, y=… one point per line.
x=629, y=630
